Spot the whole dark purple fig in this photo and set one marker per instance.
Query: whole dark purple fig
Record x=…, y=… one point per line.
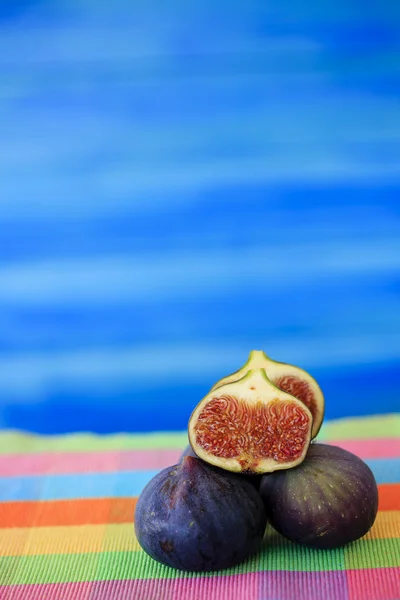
x=195, y=518
x=327, y=501
x=188, y=451
x=253, y=479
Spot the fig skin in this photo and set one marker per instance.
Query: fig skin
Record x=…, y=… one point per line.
x=192, y=517
x=330, y=500
x=188, y=451
x=253, y=479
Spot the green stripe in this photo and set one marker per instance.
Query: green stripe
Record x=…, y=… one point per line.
x=23, y=443
x=281, y=555
x=81, y=567
x=14, y=442
x=379, y=426
x=277, y=555
x=366, y=554
x=137, y=565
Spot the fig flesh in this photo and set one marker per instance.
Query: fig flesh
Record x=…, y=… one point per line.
x=290, y=379
x=250, y=426
x=330, y=500
x=194, y=517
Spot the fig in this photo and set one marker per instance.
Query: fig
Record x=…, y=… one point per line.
x=290, y=379
x=330, y=500
x=250, y=426
x=194, y=517
x=188, y=451
x=253, y=479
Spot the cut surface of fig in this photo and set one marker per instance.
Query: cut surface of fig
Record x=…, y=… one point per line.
x=194, y=517
x=250, y=426
x=290, y=379
x=330, y=500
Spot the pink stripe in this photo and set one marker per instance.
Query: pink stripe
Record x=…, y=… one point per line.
x=102, y=462
x=318, y=585
x=375, y=448
x=240, y=587
x=374, y=584
x=48, y=591
x=365, y=584
x=86, y=462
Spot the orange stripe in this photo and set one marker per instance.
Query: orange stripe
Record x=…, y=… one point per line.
x=66, y=512
x=112, y=510
x=389, y=496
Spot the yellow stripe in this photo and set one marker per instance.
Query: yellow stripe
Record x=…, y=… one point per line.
x=81, y=539
x=387, y=525
x=78, y=539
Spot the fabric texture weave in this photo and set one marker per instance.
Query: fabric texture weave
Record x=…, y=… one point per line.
x=66, y=518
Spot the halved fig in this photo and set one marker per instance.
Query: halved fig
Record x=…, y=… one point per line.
x=250, y=426
x=290, y=379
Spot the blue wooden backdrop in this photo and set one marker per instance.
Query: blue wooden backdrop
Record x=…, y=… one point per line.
x=181, y=182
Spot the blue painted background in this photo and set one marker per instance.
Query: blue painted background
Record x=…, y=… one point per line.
x=182, y=182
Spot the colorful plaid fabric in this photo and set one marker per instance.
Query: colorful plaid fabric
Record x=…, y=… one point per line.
x=66, y=519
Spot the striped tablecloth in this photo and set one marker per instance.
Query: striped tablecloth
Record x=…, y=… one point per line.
x=66, y=519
